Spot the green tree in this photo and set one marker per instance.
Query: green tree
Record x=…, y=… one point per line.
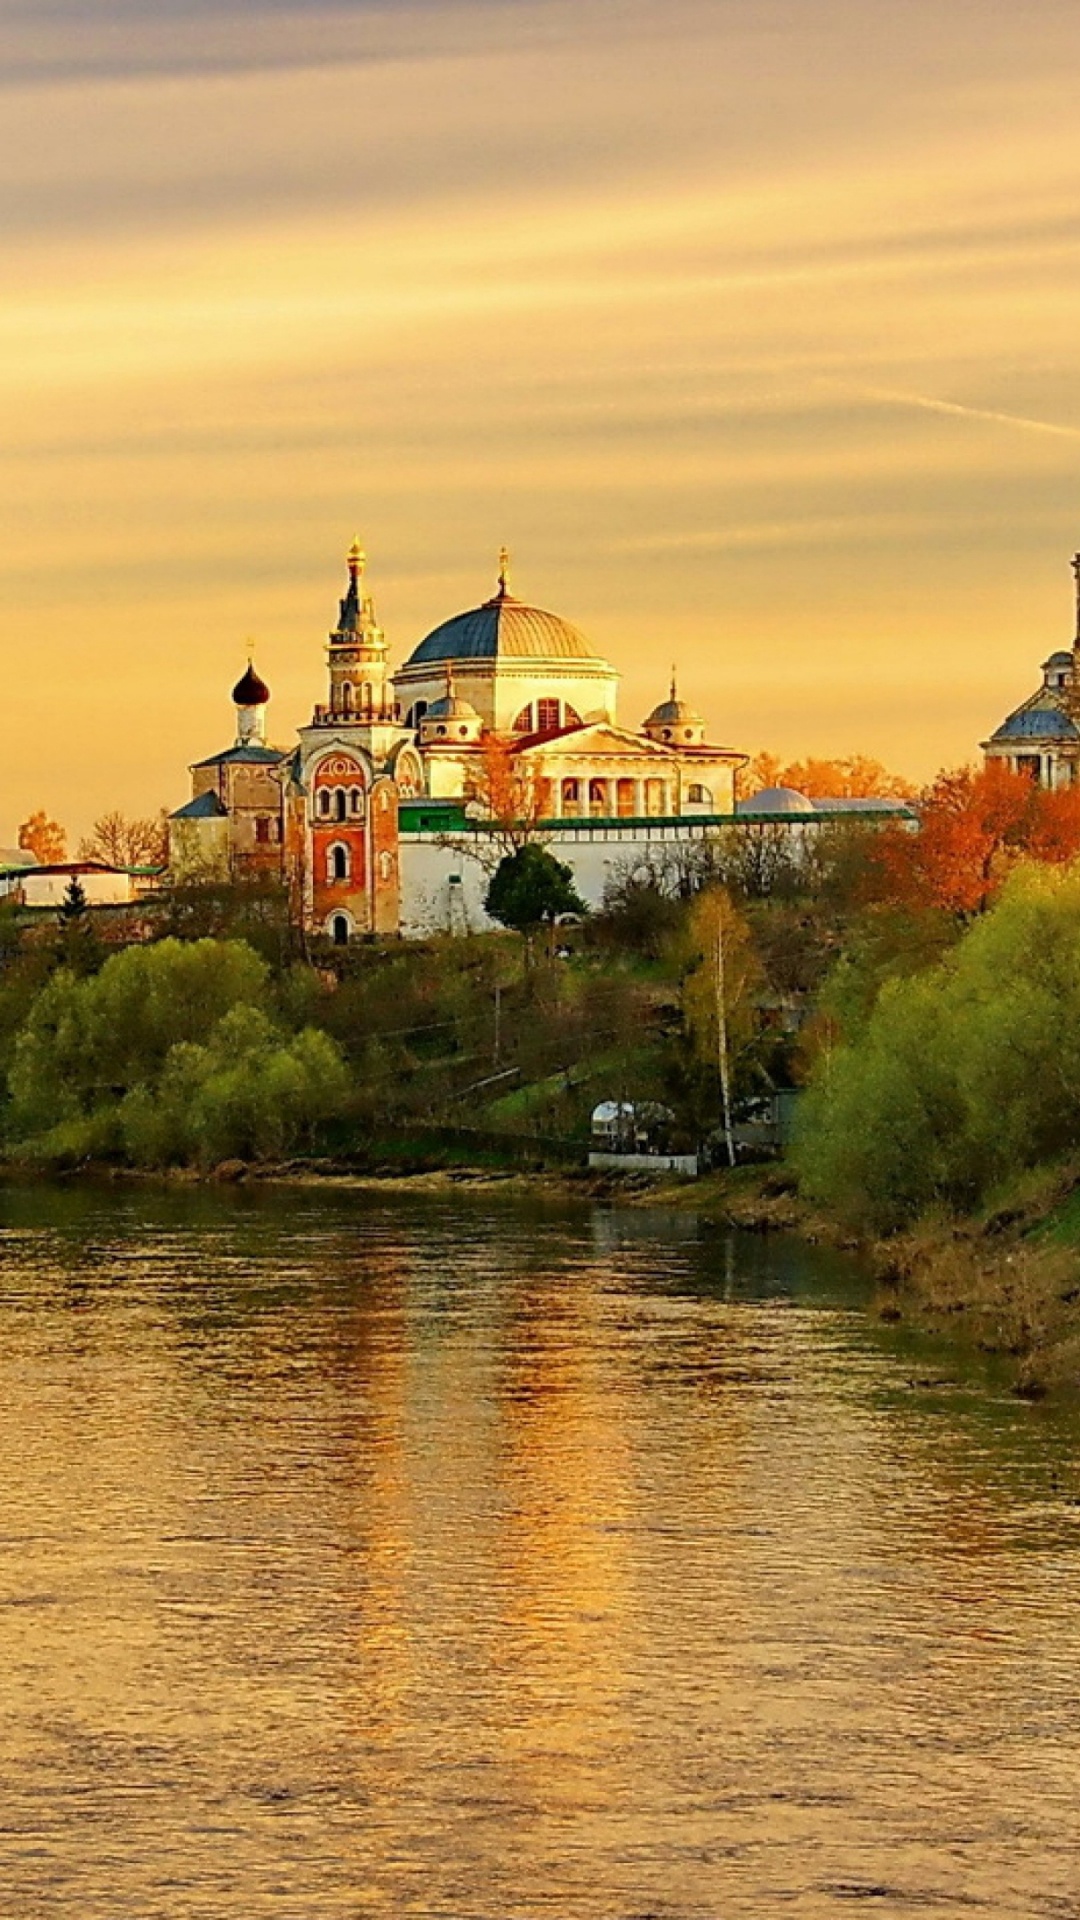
x=530, y=888
x=78, y=946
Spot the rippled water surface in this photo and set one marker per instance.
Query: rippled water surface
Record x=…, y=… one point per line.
x=466, y=1559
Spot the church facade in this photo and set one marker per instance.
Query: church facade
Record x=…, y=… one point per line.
x=1041, y=737
x=391, y=762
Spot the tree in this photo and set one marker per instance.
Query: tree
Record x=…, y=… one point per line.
x=44, y=838
x=855, y=776
x=530, y=887
x=509, y=802
x=120, y=841
x=77, y=946
x=962, y=1075
x=974, y=826
x=720, y=982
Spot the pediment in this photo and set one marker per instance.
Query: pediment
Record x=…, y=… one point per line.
x=598, y=737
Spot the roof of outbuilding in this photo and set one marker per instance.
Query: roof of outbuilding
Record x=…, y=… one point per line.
x=251, y=755
x=205, y=806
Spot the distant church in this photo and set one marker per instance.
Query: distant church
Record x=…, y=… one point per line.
x=1041, y=737
x=354, y=818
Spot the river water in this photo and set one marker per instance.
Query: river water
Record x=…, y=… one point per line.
x=469, y=1559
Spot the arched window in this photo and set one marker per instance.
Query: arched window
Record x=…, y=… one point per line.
x=356, y=800
x=547, y=716
x=324, y=800
x=571, y=798
x=598, y=799
x=339, y=803
x=699, y=796
x=337, y=862
x=339, y=930
x=524, y=721
x=347, y=697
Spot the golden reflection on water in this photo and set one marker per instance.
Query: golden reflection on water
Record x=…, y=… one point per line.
x=499, y=1563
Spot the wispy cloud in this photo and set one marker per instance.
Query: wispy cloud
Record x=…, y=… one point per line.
x=927, y=403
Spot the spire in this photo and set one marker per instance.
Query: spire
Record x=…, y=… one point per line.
x=357, y=559
x=674, y=694
x=504, y=572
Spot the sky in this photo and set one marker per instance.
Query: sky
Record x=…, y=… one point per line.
x=753, y=330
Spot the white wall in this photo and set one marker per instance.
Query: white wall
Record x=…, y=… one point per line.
x=443, y=887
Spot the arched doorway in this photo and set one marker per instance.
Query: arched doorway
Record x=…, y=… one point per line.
x=339, y=929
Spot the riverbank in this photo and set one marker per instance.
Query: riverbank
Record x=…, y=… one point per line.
x=1006, y=1283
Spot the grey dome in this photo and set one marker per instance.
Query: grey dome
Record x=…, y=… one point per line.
x=504, y=629
x=776, y=800
x=674, y=713
x=451, y=707
x=1038, y=723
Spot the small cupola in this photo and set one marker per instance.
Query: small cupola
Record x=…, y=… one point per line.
x=674, y=723
x=250, y=696
x=450, y=721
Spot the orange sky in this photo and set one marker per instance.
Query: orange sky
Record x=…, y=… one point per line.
x=752, y=329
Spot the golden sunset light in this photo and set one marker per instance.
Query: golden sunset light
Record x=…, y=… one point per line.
x=753, y=330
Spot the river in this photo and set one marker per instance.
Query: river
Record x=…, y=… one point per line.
x=481, y=1560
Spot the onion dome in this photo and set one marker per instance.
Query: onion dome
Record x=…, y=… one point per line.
x=249, y=690
x=776, y=800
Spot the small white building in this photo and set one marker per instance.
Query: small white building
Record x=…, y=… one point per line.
x=47, y=886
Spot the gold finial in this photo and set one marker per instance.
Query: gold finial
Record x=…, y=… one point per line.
x=357, y=557
x=449, y=681
x=504, y=569
x=674, y=688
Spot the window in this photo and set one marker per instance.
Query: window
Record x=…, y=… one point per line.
x=524, y=721
x=347, y=697
x=324, y=801
x=356, y=800
x=625, y=799
x=571, y=798
x=547, y=716
x=337, y=863
x=339, y=803
x=266, y=831
x=699, y=796
x=598, y=799
x=570, y=716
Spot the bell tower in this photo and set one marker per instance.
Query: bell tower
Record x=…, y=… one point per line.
x=356, y=653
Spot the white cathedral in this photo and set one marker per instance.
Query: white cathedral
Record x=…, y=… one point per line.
x=419, y=739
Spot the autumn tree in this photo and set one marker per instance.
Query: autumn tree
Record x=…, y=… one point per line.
x=853, y=777
x=44, y=838
x=508, y=801
x=974, y=824
x=121, y=841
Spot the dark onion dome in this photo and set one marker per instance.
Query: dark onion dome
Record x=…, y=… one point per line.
x=250, y=691
x=1038, y=723
x=1062, y=658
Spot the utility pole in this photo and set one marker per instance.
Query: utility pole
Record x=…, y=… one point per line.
x=496, y=1051
x=722, y=1034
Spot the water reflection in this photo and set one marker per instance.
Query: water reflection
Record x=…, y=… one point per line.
x=485, y=1559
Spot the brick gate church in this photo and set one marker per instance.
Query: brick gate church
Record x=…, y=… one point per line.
x=349, y=816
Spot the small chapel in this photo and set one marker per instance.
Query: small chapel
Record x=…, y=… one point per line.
x=1041, y=737
x=325, y=815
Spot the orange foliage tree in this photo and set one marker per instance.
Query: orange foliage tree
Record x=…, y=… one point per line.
x=44, y=838
x=856, y=777
x=974, y=825
x=502, y=790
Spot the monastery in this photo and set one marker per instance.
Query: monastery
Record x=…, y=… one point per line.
x=370, y=817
